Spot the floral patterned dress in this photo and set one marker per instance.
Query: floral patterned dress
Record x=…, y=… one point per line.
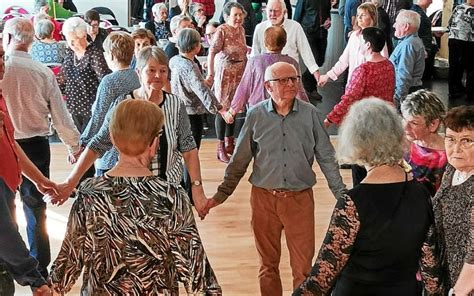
x=132, y=236
x=229, y=46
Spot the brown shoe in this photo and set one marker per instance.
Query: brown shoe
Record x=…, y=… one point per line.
x=221, y=154
x=229, y=145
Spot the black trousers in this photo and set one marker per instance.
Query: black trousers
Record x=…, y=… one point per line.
x=318, y=41
x=197, y=127
x=37, y=150
x=81, y=121
x=461, y=58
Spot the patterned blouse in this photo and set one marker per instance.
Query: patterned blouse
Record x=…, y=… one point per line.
x=48, y=53
x=427, y=166
x=132, y=236
x=188, y=84
x=178, y=137
x=350, y=249
x=461, y=23
x=79, y=79
x=454, y=215
x=362, y=85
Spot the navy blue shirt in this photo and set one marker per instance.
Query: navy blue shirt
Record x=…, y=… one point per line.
x=350, y=10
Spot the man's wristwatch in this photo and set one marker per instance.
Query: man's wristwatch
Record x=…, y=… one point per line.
x=196, y=183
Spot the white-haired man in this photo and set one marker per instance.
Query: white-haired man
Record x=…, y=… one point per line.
x=409, y=55
x=32, y=95
x=297, y=44
x=283, y=136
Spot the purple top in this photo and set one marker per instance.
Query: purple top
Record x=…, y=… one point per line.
x=251, y=89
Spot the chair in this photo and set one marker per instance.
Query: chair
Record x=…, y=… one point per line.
x=107, y=11
x=8, y=16
x=16, y=9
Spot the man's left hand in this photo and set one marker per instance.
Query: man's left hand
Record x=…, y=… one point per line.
x=316, y=75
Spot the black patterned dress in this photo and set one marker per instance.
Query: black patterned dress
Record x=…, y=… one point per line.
x=454, y=215
x=132, y=236
x=378, y=237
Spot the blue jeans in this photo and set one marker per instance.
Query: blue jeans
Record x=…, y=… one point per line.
x=37, y=150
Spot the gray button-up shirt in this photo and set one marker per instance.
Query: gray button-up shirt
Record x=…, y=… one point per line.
x=283, y=149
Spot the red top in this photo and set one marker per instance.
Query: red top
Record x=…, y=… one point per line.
x=9, y=166
x=370, y=79
x=209, y=6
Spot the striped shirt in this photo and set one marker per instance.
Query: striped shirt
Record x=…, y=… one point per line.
x=178, y=136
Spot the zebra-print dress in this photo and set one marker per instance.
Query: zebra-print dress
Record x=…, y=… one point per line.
x=132, y=236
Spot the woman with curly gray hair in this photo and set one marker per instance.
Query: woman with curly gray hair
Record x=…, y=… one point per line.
x=362, y=253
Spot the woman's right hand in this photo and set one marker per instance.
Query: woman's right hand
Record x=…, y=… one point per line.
x=210, y=80
x=323, y=79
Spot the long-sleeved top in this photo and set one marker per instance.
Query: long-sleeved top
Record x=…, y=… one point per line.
x=57, y=11
x=409, y=61
x=352, y=57
x=424, y=31
x=363, y=247
x=32, y=93
x=48, y=53
x=132, y=236
x=177, y=132
x=99, y=38
x=311, y=14
x=112, y=86
x=460, y=24
x=283, y=149
x=251, y=89
x=188, y=84
x=296, y=44
x=13, y=252
x=79, y=79
x=453, y=208
x=363, y=85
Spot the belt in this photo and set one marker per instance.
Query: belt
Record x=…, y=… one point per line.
x=283, y=193
x=33, y=139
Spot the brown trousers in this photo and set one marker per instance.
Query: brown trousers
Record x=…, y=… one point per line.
x=270, y=215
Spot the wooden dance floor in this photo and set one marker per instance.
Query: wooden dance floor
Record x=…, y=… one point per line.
x=226, y=231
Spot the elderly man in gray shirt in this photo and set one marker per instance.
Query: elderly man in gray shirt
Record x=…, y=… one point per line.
x=283, y=136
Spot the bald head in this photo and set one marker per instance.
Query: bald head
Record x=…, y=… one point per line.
x=280, y=70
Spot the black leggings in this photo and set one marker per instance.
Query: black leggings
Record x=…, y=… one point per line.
x=222, y=128
x=196, y=122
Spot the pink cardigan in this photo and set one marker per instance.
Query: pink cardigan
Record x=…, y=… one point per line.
x=352, y=57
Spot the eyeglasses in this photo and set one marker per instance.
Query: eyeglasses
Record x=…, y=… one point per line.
x=284, y=81
x=464, y=143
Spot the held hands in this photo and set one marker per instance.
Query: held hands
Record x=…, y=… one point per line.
x=323, y=79
x=200, y=203
x=61, y=195
x=227, y=115
x=44, y=290
x=327, y=24
x=73, y=157
x=316, y=75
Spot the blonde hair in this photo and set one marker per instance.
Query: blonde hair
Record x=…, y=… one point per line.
x=371, y=134
x=121, y=46
x=371, y=9
x=134, y=125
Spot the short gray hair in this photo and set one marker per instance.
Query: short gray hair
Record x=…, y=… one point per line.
x=159, y=6
x=39, y=4
x=20, y=29
x=228, y=7
x=424, y=103
x=269, y=71
x=188, y=40
x=151, y=52
x=409, y=17
x=75, y=25
x=176, y=21
x=44, y=29
x=371, y=134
